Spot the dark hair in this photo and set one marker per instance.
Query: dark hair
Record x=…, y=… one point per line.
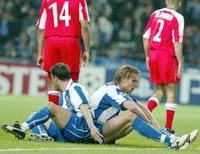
x=61, y=71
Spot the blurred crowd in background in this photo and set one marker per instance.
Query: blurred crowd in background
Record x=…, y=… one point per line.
x=116, y=29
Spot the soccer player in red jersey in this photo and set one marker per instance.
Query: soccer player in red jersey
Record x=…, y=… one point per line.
x=60, y=25
x=162, y=40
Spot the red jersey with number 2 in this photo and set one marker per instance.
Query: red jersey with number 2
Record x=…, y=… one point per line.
x=164, y=27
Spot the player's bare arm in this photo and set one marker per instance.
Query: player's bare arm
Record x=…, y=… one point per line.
x=133, y=107
x=178, y=52
x=85, y=33
x=40, y=47
x=88, y=117
x=146, y=49
x=149, y=115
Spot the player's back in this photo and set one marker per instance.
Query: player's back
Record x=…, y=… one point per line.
x=74, y=95
x=62, y=18
x=165, y=27
x=105, y=102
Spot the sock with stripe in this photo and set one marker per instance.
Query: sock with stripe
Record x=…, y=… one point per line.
x=149, y=131
x=152, y=103
x=170, y=111
x=53, y=96
x=38, y=118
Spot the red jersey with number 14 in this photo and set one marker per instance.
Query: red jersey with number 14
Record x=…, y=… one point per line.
x=62, y=17
x=164, y=27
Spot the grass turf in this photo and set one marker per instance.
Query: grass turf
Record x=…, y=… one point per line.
x=14, y=108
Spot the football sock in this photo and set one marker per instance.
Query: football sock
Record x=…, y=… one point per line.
x=55, y=133
x=170, y=111
x=38, y=118
x=148, y=131
x=164, y=131
x=53, y=96
x=152, y=103
x=40, y=130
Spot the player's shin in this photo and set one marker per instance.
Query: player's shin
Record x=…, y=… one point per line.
x=38, y=118
x=149, y=131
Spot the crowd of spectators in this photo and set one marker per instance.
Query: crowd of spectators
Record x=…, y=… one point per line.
x=116, y=28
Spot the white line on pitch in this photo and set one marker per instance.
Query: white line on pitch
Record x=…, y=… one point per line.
x=75, y=149
x=84, y=149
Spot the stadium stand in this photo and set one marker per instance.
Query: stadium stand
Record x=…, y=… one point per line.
x=116, y=27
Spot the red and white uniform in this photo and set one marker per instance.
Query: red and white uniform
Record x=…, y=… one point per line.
x=60, y=20
x=164, y=27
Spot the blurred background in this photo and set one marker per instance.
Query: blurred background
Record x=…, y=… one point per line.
x=116, y=28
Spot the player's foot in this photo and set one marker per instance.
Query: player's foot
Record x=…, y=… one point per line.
x=180, y=141
x=39, y=137
x=192, y=136
x=14, y=129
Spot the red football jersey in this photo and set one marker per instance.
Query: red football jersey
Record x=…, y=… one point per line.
x=164, y=27
x=62, y=17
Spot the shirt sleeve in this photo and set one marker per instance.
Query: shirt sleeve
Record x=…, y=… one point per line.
x=178, y=29
x=116, y=97
x=41, y=22
x=79, y=96
x=83, y=11
x=147, y=30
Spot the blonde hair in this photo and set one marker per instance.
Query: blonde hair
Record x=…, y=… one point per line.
x=125, y=71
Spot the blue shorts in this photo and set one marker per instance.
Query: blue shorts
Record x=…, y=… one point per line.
x=77, y=130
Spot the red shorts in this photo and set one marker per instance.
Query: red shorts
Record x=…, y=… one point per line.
x=62, y=49
x=163, y=67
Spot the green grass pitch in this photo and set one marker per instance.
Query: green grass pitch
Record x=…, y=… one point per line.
x=14, y=108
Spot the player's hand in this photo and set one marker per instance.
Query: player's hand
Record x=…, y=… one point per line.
x=147, y=63
x=39, y=61
x=180, y=71
x=96, y=135
x=85, y=57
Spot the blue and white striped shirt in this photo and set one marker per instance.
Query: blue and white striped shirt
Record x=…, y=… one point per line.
x=107, y=102
x=74, y=95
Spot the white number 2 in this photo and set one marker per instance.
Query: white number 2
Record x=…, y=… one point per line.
x=64, y=14
x=157, y=38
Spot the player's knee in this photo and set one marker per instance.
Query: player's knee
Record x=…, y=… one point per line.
x=130, y=116
x=52, y=107
x=159, y=92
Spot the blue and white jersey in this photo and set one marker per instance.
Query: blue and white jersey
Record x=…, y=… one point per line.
x=74, y=95
x=107, y=102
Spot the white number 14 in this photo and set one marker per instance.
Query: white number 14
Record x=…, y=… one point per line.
x=64, y=14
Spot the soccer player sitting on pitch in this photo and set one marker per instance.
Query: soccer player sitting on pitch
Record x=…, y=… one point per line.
x=114, y=97
x=72, y=115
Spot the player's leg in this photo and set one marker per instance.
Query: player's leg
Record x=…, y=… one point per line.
x=154, y=100
x=39, y=133
x=70, y=54
x=53, y=131
x=60, y=115
x=116, y=127
x=129, y=120
x=157, y=64
x=51, y=57
x=170, y=104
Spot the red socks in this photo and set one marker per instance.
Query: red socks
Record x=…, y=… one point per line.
x=152, y=103
x=170, y=111
x=54, y=96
